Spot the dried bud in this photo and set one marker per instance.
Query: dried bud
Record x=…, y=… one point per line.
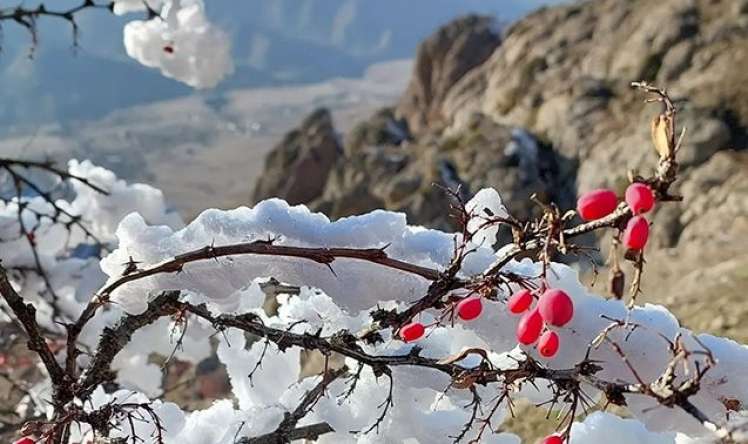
x=617, y=284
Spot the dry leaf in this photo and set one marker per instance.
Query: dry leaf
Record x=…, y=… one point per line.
x=661, y=135
x=732, y=404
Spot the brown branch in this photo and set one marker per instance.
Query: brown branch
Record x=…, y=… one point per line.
x=663, y=390
x=113, y=340
x=309, y=432
x=324, y=256
x=49, y=167
x=320, y=255
x=660, y=183
x=73, y=219
x=21, y=13
x=287, y=430
x=13, y=167
x=30, y=239
x=28, y=17
x=26, y=314
x=342, y=342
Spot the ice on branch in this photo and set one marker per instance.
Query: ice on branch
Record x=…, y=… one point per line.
x=70, y=260
x=122, y=7
x=143, y=416
x=104, y=212
x=349, y=289
x=353, y=285
x=485, y=206
x=183, y=44
x=601, y=427
x=389, y=390
x=68, y=255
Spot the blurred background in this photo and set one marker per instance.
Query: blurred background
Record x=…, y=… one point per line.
x=291, y=56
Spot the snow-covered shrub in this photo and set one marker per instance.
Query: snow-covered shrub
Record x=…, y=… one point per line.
x=107, y=278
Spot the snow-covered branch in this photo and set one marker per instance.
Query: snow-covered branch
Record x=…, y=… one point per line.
x=425, y=335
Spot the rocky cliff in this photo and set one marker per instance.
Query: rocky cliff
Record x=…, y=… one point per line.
x=298, y=167
x=544, y=106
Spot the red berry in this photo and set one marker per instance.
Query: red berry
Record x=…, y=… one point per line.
x=640, y=198
x=556, y=307
x=25, y=440
x=548, y=344
x=553, y=439
x=469, y=308
x=529, y=327
x=597, y=204
x=169, y=49
x=519, y=302
x=636, y=234
x=412, y=332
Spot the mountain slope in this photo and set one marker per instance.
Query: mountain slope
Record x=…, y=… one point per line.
x=550, y=112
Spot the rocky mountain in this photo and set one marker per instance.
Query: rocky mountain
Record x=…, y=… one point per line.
x=275, y=43
x=545, y=107
x=304, y=159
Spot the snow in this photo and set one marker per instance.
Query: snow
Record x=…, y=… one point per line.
x=288, y=226
x=343, y=298
x=136, y=221
x=183, y=44
x=486, y=204
x=104, y=212
x=605, y=427
x=122, y=7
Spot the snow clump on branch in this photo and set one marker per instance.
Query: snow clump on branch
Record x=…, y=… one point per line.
x=182, y=43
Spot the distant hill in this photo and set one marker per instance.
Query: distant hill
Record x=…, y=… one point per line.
x=276, y=43
x=205, y=151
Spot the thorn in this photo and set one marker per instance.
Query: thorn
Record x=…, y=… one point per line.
x=131, y=266
x=329, y=266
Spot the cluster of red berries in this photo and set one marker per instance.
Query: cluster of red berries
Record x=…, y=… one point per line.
x=25, y=440
x=639, y=197
x=468, y=309
x=553, y=439
x=554, y=308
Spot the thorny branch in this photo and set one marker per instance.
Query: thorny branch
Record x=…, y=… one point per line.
x=49, y=167
x=26, y=315
x=666, y=390
x=544, y=237
x=288, y=430
x=28, y=17
x=23, y=185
